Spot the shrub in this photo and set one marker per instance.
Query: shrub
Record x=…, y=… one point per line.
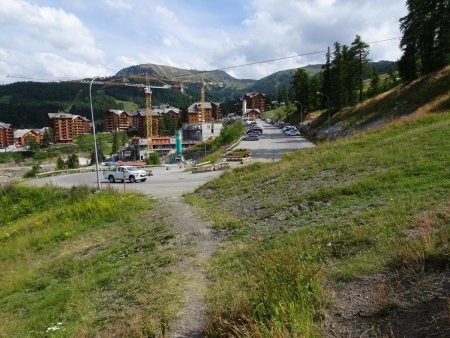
x=153, y=159
x=35, y=169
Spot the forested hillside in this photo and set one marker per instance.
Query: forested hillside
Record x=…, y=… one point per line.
x=27, y=104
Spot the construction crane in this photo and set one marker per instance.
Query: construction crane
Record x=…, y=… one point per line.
x=148, y=102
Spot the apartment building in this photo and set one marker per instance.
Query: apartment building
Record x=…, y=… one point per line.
x=66, y=126
x=212, y=112
x=119, y=120
x=21, y=136
x=6, y=135
x=253, y=101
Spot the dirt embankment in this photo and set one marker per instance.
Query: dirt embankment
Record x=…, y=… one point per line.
x=383, y=305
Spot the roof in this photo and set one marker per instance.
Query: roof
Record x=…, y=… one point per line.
x=40, y=131
x=5, y=125
x=195, y=107
x=116, y=111
x=161, y=106
x=62, y=115
x=252, y=95
x=22, y=132
x=158, y=111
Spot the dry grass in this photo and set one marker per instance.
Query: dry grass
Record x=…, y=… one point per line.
x=427, y=245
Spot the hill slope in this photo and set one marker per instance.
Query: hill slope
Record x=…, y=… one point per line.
x=347, y=238
x=184, y=74
x=271, y=83
x=427, y=94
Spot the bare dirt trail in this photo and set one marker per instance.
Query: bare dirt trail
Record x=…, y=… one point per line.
x=202, y=241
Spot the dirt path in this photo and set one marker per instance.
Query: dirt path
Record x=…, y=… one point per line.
x=197, y=236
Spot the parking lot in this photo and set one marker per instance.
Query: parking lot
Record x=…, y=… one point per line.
x=273, y=143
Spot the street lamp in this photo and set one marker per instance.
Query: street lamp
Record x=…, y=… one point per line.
x=329, y=108
x=301, y=111
x=93, y=130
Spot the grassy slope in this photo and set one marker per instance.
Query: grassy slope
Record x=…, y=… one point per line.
x=76, y=263
x=338, y=211
x=429, y=93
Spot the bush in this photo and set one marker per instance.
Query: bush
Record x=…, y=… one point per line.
x=101, y=156
x=59, y=163
x=35, y=169
x=228, y=135
x=73, y=162
x=153, y=159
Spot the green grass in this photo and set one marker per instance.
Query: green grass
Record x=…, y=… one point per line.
x=15, y=156
x=84, y=263
x=130, y=106
x=86, y=142
x=333, y=213
x=281, y=113
x=6, y=99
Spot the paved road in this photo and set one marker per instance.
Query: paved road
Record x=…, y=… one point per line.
x=274, y=143
x=175, y=182
x=164, y=183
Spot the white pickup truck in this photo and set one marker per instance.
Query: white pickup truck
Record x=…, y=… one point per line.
x=122, y=173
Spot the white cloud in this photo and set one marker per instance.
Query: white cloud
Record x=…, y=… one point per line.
x=191, y=35
x=298, y=27
x=58, y=67
x=50, y=28
x=45, y=66
x=118, y=4
x=171, y=41
x=166, y=13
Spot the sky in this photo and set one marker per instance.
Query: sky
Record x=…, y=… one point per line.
x=73, y=39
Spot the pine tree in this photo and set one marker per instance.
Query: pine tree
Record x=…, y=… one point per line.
x=426, y=38
x=337, y=79
x=300, y=84
x=59, y=163
x=374, y=88
x=359, y=52
x=73, y=162
x=46, y=139
x=326, y=81
x=315, y=85
x=115, y=143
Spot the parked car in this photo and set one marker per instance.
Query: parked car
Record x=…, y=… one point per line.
x=286, y=128
x=251, y=138
x=254, y=132
x=239, y=153
x=292, y=133
x=128, y=173
x=256, y=127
